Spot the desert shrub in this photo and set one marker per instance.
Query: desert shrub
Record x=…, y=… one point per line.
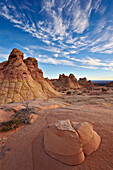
x=9, y=125
x=68, y=92
x=79, y=93
x=103, y=90
x=19, y=118
x=84, y=91
x=64, y=89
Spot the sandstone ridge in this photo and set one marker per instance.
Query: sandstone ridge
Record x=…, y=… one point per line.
x=69, y=142
x=65, y=81
x=83, y=82
x=22, y=80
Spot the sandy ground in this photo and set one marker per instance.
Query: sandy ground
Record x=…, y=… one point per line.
x=23, y=149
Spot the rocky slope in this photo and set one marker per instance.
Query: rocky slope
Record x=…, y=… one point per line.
x=22, y=80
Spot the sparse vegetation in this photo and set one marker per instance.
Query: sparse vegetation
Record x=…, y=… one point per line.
x=10, y=125
x=103, y=90
x=84, y=91
x=19, y=118
x=68, y=92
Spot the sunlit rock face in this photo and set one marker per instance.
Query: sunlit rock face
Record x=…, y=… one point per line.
x=65, y=81
x=22, y=80
x=83, y=82
x=69, y=142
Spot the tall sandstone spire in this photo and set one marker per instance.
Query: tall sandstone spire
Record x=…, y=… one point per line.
x=22, y=80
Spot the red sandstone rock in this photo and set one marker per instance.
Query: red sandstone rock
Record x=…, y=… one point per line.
x=61, y=142
x=68, y=141
x=32, y=66
x=22, y=80
x=89, y=139
x=65, y=81
x=50, y=83
x=83, y=82
x=110, y=84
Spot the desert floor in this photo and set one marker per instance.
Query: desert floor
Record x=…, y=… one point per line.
x=23, y=148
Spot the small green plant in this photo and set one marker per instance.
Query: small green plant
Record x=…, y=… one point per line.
x=19, y=118
x=9, y=125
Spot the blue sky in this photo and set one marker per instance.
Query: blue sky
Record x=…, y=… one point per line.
x=66, y=36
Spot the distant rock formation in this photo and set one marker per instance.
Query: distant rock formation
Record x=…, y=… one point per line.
x=22, y=80
x=69, y=142
x=83, y=82
x=110, y=84
x=65, y=81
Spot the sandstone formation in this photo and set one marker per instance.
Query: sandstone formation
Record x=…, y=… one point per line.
x=50, y=83
x=65, y=81
x=22, y=80
x=68, y=141
x=110, y=84
x=83, y=82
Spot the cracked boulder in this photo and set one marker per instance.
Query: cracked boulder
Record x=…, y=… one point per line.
x=22, y=80
x=69, y=142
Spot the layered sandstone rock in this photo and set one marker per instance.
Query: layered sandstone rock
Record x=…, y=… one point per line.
x=89, y=139
x=68, y=141
x=65, y=81
x=22, y=80
x=83, y=82
x=110, y=84
x=50, y=83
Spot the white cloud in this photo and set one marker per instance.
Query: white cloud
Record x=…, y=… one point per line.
x=5, y=13
x=46, y=48
x=93, y=63
x=29, y=51
x=56, y=55
x=5, y=56
x=55, y=61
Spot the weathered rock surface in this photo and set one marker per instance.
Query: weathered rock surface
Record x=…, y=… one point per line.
x=110, y=84
x=65, y=81
x=22, y=80
x=89, y=139
x=50, y=83
x=83, y=82
x=24, y=147
x=68, y=141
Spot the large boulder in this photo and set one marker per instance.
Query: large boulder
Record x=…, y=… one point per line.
x=22, y=80
x=89, y=139
x=69, y=142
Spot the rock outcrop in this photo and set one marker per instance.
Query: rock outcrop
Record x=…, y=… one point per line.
x=65, y=81
x=83, y=82
x=50, y=83
x=69, y=142
x=22, y=80
x=110, y=84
